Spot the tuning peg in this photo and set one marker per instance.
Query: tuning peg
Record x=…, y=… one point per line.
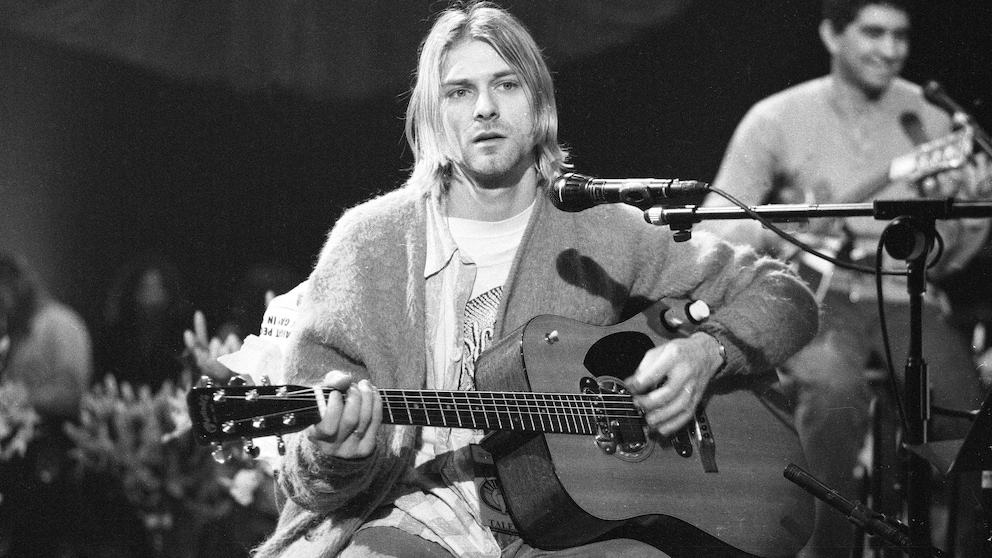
x=220, y=454
x=237, y=380
x=280, y=444
x=205, y=382
x=251, y=449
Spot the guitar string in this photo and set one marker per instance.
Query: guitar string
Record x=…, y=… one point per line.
x=568, y=402
x=614, y=411
x=433, y=395
x=578, y=411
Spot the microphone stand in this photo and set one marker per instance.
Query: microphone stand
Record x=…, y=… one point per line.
x=910, y=237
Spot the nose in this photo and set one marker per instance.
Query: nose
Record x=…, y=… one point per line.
x=485, y=106
x=892, y=47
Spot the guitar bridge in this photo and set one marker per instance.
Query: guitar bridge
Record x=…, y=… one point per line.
x=617, y=433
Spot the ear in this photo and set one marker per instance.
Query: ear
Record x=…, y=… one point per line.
x=828, y=36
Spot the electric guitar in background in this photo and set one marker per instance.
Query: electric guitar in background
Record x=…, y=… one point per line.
x=575, y=460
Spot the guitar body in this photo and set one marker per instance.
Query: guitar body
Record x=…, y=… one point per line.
x=564, y=490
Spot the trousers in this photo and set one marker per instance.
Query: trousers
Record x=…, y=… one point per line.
x=832, y=397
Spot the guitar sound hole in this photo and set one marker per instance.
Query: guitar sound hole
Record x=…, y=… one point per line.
x=617, y=354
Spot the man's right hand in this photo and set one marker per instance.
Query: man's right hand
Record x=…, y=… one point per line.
x=350, y=423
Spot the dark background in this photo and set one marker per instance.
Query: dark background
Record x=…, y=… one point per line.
x=102, y=159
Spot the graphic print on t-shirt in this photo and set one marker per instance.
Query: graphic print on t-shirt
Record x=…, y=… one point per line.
x=477, y=333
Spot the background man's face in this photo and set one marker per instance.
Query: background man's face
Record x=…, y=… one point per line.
x=871, y=51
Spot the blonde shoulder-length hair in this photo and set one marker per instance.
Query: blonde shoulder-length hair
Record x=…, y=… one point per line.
x=487, y=22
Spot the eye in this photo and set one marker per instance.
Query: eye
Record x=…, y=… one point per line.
x=457, y=93
x=508, y=85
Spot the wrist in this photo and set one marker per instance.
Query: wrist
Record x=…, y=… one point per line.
x=720, y=350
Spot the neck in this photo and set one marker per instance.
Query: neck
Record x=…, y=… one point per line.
x=470, y=199
x=852, y=98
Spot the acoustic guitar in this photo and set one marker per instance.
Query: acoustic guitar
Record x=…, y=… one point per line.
x=573, y=455
x=926, y=160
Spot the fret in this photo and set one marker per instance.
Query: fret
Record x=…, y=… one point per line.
x=387, y=404
x=473, y=403
x=479, y=417
x=510, y=405
x=564, y=413
x=546, y=414
x=529, y=407
x=582, y=414
x=520, y=411
x=463, y=410
x=499, y=407
x=420, y=409
x=554, y=414
x=449, y=411
x=437, y=404
x=485, y=413
x=409, y=411
x=569, y=410
x=589, y=413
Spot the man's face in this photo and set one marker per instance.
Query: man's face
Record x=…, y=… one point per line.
x=487, y=113
x=871, y=51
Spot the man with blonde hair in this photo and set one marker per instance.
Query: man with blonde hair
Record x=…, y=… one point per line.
x=412, y=286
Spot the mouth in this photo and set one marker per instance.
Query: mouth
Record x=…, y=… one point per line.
x=486, y=136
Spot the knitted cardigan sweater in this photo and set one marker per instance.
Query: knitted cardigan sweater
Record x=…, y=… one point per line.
x=363, y=312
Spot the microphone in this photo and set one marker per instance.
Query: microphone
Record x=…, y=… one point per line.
x=934, y=92
x=577, y=192
x=857, y=513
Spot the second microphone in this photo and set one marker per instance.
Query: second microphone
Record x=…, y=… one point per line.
x=577, y=192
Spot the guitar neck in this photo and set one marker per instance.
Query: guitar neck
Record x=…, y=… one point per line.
x=228, y=413
x=486, y=410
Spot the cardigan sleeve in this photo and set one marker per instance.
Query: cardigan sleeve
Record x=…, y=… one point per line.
x=761, y=311
x=347, y=322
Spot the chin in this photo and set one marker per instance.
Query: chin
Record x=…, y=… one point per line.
x=875, y=87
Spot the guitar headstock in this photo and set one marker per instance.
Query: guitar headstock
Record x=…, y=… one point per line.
x=234, y=412
x=942, y=154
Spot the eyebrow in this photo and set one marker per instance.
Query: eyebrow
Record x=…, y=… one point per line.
x=465, y=81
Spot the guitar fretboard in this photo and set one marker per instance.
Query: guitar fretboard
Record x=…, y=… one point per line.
x=227, y=413
x=538, y=412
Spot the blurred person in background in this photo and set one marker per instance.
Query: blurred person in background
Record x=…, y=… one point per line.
x=831, y=140
x=46, y=347
x=145, y=313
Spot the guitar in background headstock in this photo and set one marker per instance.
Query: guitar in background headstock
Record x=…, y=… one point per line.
x=934, y=157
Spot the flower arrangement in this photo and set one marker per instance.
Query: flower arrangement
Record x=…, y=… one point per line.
x=18, y=420
x=143, y=440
